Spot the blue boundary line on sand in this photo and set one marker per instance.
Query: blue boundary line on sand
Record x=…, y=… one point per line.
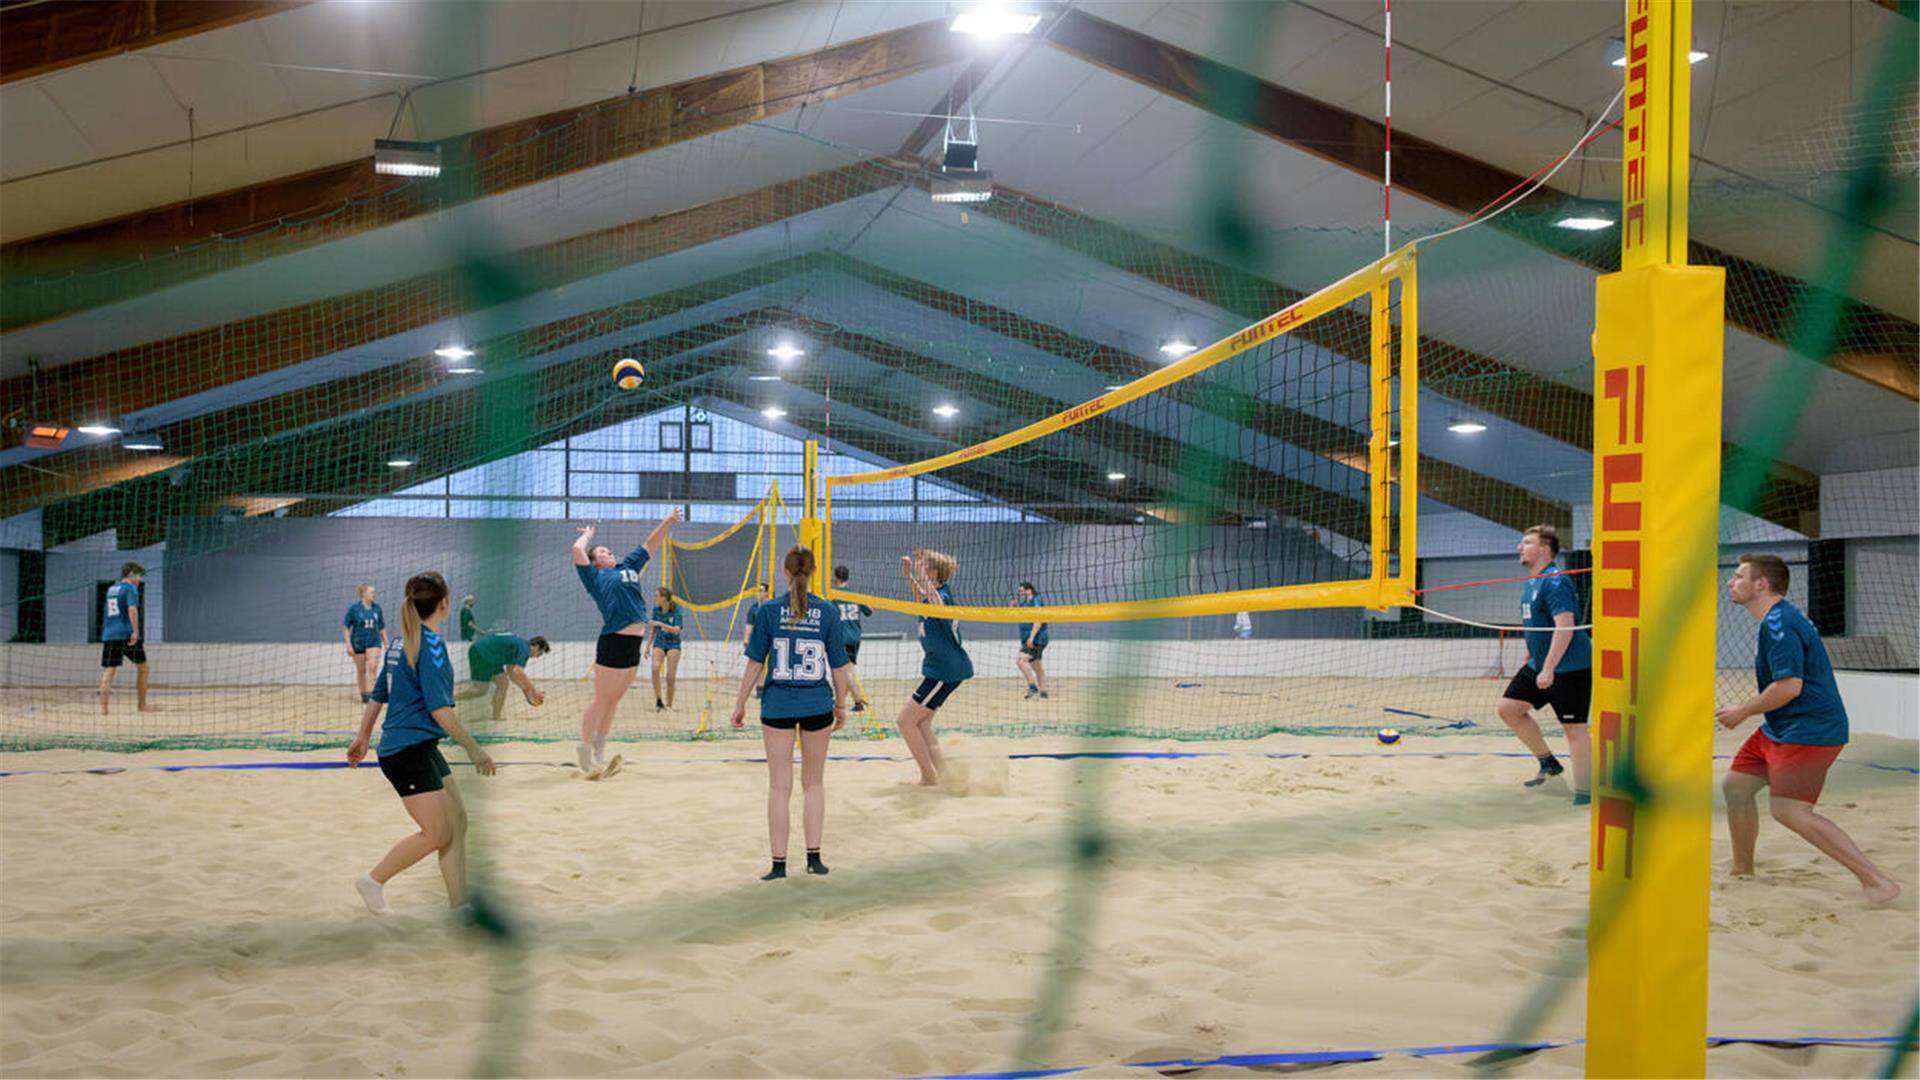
x=1334, y=1057
x=1069, y=755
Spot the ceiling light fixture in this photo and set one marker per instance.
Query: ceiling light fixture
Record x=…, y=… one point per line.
x=1177, y=347
x=400, y=463
x=453, y=352
x=140, y=440
x=763, y=378
x=960, y=179
x=1466, y=427
x=399, y=157
x=463, y=369
x=47, y=436
x=773, y=412
x=945, y=410
x=98, y=429
x=786, y=352
x=1584, y=224
x=1116, y=477
x=992, y=20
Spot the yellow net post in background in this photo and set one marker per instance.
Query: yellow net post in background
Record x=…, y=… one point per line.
x=1656, y=500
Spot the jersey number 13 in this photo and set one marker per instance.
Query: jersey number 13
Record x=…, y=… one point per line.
x=806, y=661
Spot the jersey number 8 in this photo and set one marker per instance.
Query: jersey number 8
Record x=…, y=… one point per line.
x=812, y=665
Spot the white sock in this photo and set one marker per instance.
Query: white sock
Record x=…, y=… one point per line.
x=585, y=752
x=600, y=749
x=373, y=894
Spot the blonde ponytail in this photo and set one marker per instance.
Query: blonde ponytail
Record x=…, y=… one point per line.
x=425, y=593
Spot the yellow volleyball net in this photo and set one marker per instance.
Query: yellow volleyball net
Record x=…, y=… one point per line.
x=1292, y=472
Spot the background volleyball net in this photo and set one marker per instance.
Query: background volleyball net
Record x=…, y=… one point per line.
x=345, y=451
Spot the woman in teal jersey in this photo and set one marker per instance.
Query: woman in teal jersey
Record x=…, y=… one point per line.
x=665, y=624
x=802, y=647
x=945, y=664
x=416, y=687
x=364, y=629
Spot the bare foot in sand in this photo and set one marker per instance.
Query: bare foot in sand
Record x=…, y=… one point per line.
x=149, y=708
x=1881, y=893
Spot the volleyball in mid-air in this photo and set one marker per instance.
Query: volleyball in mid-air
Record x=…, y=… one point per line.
x=1388, y=736
x=628, y=374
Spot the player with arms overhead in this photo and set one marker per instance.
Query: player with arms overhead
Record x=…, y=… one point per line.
x=614, y=584
x=944, y=666
x=802, y=646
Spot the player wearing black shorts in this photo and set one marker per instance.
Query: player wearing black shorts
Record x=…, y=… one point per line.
x=850, y=616
x=801, y=645
x=1558, y=672
x=120, y=636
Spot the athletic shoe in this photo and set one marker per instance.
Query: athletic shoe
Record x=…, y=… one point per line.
x=859, y=706
x=1032, y=692
x=1548, y=770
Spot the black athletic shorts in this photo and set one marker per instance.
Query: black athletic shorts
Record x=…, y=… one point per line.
x=934, y=693
x=804, y=723
x=853, y=652
x=361, y=645
x=416, y=769
x=112, y=651
x=1569, y=695
x=618, y=651
x=1034, y=652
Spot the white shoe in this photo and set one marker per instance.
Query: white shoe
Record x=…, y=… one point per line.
x=373, y=894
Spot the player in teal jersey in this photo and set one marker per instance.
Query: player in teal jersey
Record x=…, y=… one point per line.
x=944, y=666
x=416, y=689
x=1033, y=645
x=364, y=629
x=120, y=636
x=665, y=625
x=801, y=646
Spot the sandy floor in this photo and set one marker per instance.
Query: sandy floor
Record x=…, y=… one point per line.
x=201, y=922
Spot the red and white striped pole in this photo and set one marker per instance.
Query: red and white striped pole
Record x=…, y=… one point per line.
x=1386, y=183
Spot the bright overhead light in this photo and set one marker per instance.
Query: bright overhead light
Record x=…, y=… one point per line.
x=944, y=409
x=1584, y=224
x=141, y=440
x=961, y=186
x=398, y=157
x=463, y=370
x=1112, y=388
x=98, y=429
x=453, y=352
x=763, y=378
x=1116, y=477
x=773, y=412
x=400, y=463
x=1177, y=347
x=994, y=21
x=786, y=352
x=1466, y=427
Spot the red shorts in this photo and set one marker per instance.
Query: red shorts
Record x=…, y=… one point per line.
x=1793, y=771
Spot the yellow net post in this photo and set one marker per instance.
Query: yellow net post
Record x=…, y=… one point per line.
x=1656, y=498
x=810, y=531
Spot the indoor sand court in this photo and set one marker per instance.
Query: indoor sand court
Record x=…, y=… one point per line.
x=1124, y=308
